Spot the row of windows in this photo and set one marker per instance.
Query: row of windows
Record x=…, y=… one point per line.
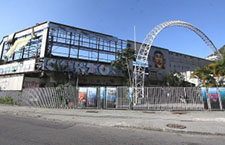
x=80, y=46
x=32, y=49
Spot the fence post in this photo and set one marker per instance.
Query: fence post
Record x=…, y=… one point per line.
x=147, y=99
x=105, y=98
x=220, y=102
x=208, y=99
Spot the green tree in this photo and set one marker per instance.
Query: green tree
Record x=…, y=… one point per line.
x=175, y=79
x=217, y=71
x=124, y=63
x=204, y=74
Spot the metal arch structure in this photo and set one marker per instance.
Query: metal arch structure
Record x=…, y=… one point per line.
x=143, y=52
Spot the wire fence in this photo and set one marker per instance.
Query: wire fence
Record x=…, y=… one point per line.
x=156, y=98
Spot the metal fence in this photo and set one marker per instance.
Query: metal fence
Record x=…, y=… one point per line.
x=175, y=98
x=156, y=98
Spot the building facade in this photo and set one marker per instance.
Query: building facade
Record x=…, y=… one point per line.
x=161, y=61
x=49, y=54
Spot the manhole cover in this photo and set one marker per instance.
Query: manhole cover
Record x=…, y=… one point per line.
x=177, y=126
x=149, y=112
x=179, y=112
x=91, y=111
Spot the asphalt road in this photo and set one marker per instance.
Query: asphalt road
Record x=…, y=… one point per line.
x=28, y=131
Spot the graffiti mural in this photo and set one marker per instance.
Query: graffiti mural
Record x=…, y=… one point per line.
x=18, y=67
x=80, y=67
x=213, y=94
x=159, y=60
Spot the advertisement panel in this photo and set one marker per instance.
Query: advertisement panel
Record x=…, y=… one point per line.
x=92, y=97
x=82, y=100
x=102, y=96
x=111, y=97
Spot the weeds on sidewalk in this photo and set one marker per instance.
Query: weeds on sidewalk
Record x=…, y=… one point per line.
x=8, y=100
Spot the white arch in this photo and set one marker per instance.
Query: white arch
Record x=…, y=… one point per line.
x=142, y=56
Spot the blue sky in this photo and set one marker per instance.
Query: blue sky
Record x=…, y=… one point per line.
x=118, y=17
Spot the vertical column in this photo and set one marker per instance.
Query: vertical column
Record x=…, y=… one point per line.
x=2, y=47
x=44, y=43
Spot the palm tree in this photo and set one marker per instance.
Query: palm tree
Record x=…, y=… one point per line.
x=204, y=75
x=124, y=63
x=218, y=70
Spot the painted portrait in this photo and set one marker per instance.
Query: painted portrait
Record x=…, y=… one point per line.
x=159, y=60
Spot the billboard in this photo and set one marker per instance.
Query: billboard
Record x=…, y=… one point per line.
x=82, y=99
x=111, y=97
x=92, y=97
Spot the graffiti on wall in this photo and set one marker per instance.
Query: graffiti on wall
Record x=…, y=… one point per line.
x=214, y=94
x=80, y=67
x=18, y=67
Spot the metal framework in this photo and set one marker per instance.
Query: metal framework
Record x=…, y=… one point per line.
x=75, y=43
x=61, y=41
x=143, y=52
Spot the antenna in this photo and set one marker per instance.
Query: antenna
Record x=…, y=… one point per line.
x=135, y=68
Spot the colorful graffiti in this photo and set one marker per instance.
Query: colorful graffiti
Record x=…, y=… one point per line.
x=79, y=67
x=214, y=94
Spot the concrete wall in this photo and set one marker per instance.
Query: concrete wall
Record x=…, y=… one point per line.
x=162, y=61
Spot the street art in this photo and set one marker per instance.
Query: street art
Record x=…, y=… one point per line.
x=79, y=67
x=18, y=67
x=159, y=60
x=213, y=94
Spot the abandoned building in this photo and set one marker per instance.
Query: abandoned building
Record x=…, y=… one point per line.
x=49, y=54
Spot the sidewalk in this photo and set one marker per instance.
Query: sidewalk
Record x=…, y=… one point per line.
x=197, y=122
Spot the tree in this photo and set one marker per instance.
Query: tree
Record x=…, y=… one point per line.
x=124, y=63
x=204, y=74
x=218, y=70
x=175, y=79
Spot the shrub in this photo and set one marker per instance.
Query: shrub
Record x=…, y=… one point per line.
x=7, y=100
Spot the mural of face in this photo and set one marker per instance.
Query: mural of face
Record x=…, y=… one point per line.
x=158, y=59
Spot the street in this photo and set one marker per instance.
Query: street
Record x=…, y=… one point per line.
x=28, y=131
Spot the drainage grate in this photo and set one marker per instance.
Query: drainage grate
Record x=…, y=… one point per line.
x=179, y=112
x=91, y=111
x=177, y=126
x=149, y=112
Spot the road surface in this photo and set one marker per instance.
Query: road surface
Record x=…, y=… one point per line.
x=16, y=130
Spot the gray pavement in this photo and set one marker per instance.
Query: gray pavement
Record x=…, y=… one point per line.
x=196, y=122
